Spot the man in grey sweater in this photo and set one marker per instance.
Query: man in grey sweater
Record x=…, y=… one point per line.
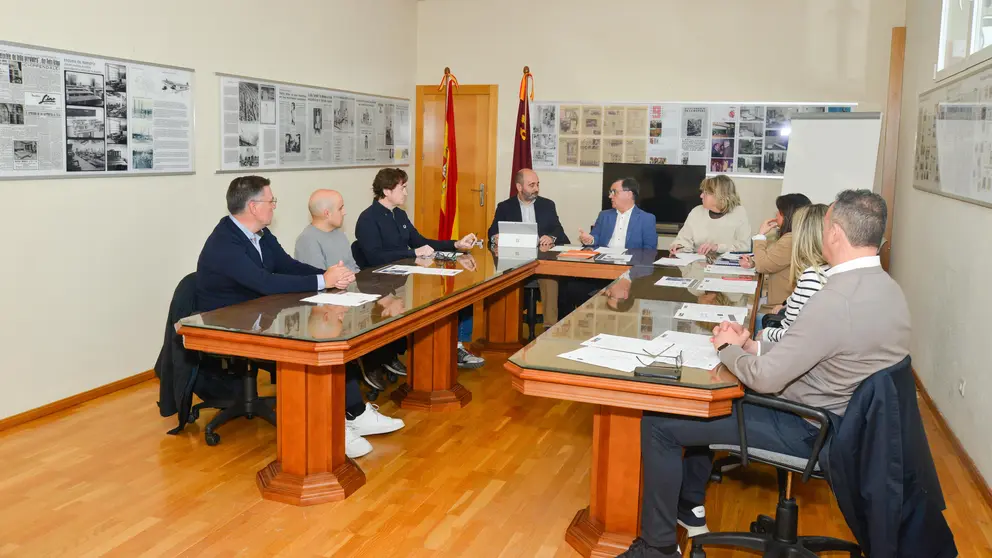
x=324, y=241
x=858, y=324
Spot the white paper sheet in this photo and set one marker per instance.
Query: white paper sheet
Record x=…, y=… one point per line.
x=682, y=282
x=697, y=350
x=618, y=258
x=341, y=299
x=729, y=270
x=712, y=313
x=616, y=360
x=566, y=248
x=606, y=250
x=689, y=256
x=673, y=262
x=728, y=286
x=416, y=269
x=644, y=347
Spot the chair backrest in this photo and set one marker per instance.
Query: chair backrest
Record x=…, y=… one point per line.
x=359, y=255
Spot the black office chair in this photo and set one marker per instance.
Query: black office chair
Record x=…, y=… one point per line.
x=778, y=537
x=246, y=402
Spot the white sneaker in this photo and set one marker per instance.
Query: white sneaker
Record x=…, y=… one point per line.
x=354, y=445
x=467, y=359
x=372, y=422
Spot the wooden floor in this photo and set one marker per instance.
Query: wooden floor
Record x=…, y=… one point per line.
x=502, y=477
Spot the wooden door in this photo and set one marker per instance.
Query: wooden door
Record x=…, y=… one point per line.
x=475, y=136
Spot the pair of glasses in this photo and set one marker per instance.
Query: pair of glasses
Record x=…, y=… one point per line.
x=273, y=201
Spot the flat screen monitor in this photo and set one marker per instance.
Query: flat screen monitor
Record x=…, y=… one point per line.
x=667, y=191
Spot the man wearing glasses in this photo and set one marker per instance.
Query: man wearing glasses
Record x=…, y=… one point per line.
x=242, y=260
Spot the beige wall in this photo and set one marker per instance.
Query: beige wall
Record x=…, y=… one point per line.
x=940, y=257
x=658, y=50
x=90, y=264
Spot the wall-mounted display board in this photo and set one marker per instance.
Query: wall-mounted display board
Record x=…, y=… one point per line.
x=65, y=114
x=284, y=126
x=748, y=139
x=954, y=139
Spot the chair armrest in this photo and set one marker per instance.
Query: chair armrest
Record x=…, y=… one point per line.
x=779, y=404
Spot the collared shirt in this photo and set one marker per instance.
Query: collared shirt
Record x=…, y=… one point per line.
x=619, y=238
x=256, y=238
x=527, y=212
x=856, y=263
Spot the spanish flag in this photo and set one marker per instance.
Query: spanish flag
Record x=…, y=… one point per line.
x=448, y=223
x=521, y=141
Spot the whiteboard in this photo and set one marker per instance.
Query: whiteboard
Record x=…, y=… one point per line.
x=830, y=153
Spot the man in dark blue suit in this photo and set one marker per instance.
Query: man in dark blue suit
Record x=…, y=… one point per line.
x=242, y=260
x=528, y=207
x=624, y=226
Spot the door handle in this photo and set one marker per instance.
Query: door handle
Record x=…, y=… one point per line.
x=482, y=194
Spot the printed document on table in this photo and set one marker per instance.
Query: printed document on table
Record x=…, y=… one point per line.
x=616, y=360
x=682, y=282
x=697, y=350
x=673, y=262
x=645, y=347
x=728, y=286
x=729, y=270
x=615, y=258
x=341, y=299
x=607, y=250
x=689, y=256
x=710, y=313
x=413, y=269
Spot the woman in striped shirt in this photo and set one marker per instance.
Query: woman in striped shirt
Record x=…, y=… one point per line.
x=807, y=268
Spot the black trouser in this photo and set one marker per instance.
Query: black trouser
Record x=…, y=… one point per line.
x=354, y=405
x=668, y=477
x=574, y=292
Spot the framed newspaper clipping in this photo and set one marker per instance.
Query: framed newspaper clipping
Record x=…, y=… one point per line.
x=275, y=125
x=67, y=115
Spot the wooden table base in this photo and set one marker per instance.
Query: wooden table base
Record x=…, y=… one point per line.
x=503, y=315
x=432, y=371
x=310, y=466
x=612, y=520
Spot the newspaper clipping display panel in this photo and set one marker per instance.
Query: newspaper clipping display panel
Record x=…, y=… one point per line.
x=271, y=125
x=65, y=114
x=727, y=138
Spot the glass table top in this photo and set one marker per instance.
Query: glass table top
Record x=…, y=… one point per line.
x=287, y=316
x=634, y=307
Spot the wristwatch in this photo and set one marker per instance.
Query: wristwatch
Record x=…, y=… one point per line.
x=722, y=347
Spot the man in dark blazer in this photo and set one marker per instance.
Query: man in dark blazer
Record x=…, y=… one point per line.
x=537, y=209
x=242, y=260
x=528, y=207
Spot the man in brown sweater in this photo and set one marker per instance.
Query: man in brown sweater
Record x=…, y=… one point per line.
x=858, y=324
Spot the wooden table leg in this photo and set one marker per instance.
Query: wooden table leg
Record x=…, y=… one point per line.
x=504, y=319
x=612, y=520
x=310, y=467
x=432, y=371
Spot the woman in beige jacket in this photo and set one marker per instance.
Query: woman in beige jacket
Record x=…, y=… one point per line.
x=773, y=258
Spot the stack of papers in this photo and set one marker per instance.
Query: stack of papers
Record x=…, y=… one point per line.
x=578, y=254
x=614, y=258
x=614, y=360
x=712, y=313
x=729, y=270
x=682, y=282
x=606, y=250
x=643, y=347
x=415, y=269
x=626, y=353
x=728, y=286
x=689, y=256
x=341, y=299
x=566, y=248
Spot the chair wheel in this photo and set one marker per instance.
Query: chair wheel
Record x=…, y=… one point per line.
x=212, y=438
x=697, y=552
x=372, y=395
x=194, y=415
x=392, y=377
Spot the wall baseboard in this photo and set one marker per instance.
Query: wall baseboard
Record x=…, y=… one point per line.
x=976, y=475
x=78, y=399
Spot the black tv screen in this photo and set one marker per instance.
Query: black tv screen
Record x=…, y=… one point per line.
x=668, y=191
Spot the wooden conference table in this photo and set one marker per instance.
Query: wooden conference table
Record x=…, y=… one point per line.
x=311, y=344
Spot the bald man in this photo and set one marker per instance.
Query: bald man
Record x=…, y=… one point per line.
x=323, y=240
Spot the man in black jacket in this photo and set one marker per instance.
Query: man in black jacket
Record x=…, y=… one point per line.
x=528, y=207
